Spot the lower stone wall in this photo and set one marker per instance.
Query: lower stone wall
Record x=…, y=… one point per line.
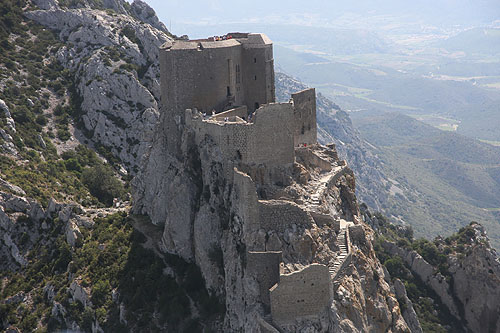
x=279, y=214
x=306, y=156
x=305, y=131
x=265, y=268
x=240, y=111
x=303, y=293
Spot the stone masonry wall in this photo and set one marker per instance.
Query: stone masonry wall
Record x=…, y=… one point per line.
x=273, y=135
x=246, y=200
x=304, y=103
x=303, y=293
x=268, y=140
x=278, y=215
x=265, y=267
x=240, y=111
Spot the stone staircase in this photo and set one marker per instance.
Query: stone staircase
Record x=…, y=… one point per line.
x=342, y=240
x=319, y=186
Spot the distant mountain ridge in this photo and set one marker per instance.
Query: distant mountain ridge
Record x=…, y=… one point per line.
x=446, y=179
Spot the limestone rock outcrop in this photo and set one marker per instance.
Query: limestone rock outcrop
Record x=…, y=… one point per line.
x=205, y=221
x=114, y=58
x=470, y=290
x=408, y=311
x=6, y=142
x=476, y=283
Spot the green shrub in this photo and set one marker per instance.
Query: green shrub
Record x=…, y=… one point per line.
x=72, y=164
x=41, y=120
x=102, y=183
x=100, y=292
x=396, y=267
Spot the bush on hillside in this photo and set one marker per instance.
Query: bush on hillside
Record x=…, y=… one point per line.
x=102, y=183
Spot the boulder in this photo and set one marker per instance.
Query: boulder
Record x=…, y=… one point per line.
x=36, y=212
x=407, y=309
x=12, y=188
x=17, y=204
x=72, y=232
x=79, y=293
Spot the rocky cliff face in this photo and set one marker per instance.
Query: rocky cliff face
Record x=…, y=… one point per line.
x=114, y=60
x=111, y=52
x=460, y=272
x=203, y=215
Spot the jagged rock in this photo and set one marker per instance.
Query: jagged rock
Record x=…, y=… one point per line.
x=141, y=10
x=52, y=208
x=5, y=221
x=72, y=232
x=8, y=145
x=120, y=103
x=17, y=204
x=49, y=292
x=65, y=214
x=13, y=188
x=79, y=293
x=14, y=250
x=46, y=4
x=84, y=222
x=58, y=310
x=10, y=121
x=357, y=233
x=476, y=283
x=408, y=311
x=426, y=272
x=41, y=141
x=36, y=212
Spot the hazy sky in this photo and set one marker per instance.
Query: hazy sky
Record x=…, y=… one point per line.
x=181, y=13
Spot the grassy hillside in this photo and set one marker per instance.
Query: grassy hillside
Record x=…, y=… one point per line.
x=440, y=180
x=477, y=40
x=482, y=121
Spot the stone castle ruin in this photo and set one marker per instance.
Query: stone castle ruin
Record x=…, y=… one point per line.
x=223, y=91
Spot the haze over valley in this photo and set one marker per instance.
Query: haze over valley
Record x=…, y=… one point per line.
x=437, y=62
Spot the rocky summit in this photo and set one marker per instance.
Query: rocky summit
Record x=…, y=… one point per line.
x=151, y=183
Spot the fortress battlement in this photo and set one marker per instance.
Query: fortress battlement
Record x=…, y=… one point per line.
x=221, y=92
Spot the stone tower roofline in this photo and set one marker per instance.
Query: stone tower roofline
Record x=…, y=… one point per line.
x=247, y=40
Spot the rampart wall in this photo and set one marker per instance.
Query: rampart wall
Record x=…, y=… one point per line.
x=240, y=111
x=265, y=267
x=273, y=135
x=279, y=215
x=246, y=200
x=306, y=156
x=304, y=103
x=303, y=293
x=267, y=140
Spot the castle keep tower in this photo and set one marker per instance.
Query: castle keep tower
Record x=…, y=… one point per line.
x=228, y=84
x=215, y=75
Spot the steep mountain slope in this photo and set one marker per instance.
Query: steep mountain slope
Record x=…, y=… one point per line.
x=78, y=84
x=75, y=263
x=440, y=180
x=452, y=282
x=106, y=52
